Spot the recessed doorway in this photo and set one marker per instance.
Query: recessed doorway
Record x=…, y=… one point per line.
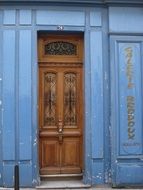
x=60, y=104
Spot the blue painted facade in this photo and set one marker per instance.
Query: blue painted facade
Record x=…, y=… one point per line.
x=113, y=88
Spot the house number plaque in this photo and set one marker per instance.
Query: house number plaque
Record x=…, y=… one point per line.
x=60, y=27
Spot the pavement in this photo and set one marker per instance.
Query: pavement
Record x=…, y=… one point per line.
x=70, y=184
x=91, y=188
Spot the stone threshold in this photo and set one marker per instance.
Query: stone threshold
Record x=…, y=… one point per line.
x=62, y=184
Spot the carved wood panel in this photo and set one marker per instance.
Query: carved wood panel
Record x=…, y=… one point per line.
x=60, y=48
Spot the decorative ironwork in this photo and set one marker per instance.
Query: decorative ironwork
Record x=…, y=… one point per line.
x=50, y=99
x=70, y=99
x=60, y=48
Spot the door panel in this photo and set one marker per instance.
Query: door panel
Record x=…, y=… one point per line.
x=50, y=150
x=50, y=158
x=70, y=151
x=60, y=110
x=127, y=118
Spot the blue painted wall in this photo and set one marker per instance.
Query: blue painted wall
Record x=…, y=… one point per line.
x=110, y=156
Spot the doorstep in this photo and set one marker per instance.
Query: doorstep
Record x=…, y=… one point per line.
x=63, y=184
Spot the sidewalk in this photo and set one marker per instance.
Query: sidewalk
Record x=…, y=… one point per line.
x=91, y=188
x=73, y=185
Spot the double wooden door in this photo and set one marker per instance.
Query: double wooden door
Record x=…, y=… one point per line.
x=60, y=117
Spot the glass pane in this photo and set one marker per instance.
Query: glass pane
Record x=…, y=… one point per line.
x=60, y=48
x=50, y=99
x=70, y=99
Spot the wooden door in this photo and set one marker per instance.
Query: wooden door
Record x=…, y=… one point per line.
x=60, y=104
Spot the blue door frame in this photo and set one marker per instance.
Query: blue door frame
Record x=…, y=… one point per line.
x=18, y=88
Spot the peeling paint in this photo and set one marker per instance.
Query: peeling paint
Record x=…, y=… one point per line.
x=106, y=177
x=98, y=176
x=34, y=182
x=35, y=142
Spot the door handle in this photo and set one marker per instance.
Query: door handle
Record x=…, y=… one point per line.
x=60, y=126
x=60, y=130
